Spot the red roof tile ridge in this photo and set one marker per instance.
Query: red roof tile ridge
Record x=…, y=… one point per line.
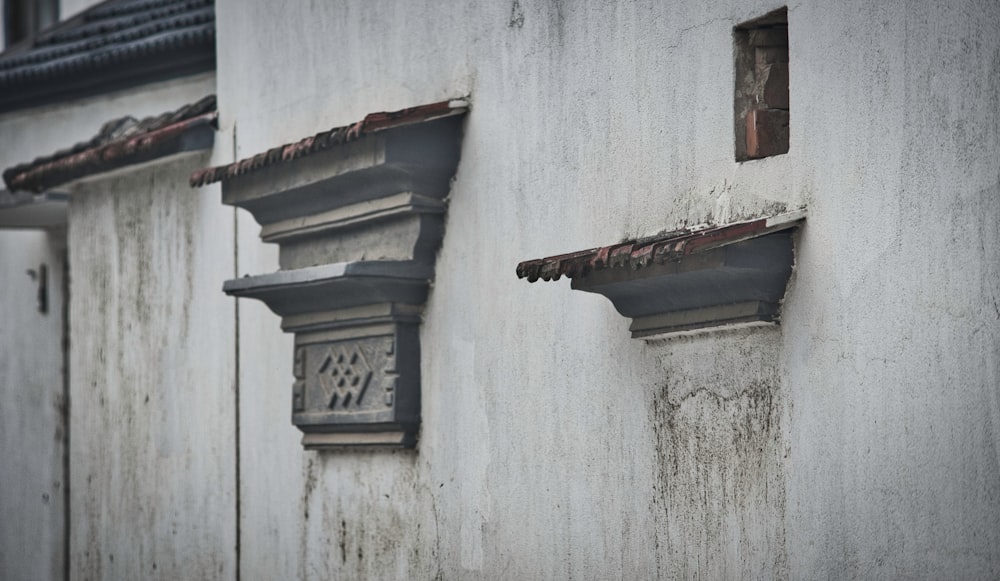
x=372, y=123
x=48, y=172
x=636, y=254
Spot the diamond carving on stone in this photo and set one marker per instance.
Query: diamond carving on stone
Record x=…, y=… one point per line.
x=344, y=376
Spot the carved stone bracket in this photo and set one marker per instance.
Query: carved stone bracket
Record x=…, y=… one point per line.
x=358, y=213
x=687, y=280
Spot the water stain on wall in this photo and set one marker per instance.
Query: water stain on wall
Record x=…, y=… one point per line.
x=141, y=393
x=720, y=493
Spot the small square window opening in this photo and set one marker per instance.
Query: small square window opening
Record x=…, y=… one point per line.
x=761, y=110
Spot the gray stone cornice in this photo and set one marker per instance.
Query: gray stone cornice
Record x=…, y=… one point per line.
x=686, y=280
x=333, y=287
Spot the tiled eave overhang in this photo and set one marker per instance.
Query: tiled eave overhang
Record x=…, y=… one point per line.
x=325, y=140
x=687, y=279
x=190, y=128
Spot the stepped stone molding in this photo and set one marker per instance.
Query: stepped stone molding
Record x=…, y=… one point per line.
x=358, y=214
x=689, y=279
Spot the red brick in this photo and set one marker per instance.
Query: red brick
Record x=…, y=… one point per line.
x=767, y=132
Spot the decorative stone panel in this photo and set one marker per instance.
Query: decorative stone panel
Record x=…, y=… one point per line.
x=358, y=214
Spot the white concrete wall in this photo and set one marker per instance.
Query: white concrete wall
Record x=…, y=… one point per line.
x=70, y=8
x=858, y=441
x=32, y=541
x=32, y=408
x=153, y=384
x=893, y=335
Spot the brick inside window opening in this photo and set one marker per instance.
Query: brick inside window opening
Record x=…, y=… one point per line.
x=761, y=109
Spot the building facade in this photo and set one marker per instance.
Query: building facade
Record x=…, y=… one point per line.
x=851, y=432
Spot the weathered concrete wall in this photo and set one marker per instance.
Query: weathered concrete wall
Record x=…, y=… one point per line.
x=33, y=533
x=273, y=489
x=553, y=446
x=859, y=440
x=893, y=332
x=720, y=447
x=32, y=408
x=153, y=453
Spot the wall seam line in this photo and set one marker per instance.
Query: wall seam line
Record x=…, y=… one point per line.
x=236, y=395
x=67, y=509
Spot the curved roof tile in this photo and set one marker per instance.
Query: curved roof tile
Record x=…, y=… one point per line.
x=119, y=143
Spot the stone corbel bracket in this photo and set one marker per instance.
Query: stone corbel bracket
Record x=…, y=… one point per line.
x=686, y=280
x=358, y=214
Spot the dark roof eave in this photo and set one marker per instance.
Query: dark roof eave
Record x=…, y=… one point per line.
x=114, y=45
x=126, y=75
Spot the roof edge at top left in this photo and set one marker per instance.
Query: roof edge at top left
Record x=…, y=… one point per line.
x=115, y=45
